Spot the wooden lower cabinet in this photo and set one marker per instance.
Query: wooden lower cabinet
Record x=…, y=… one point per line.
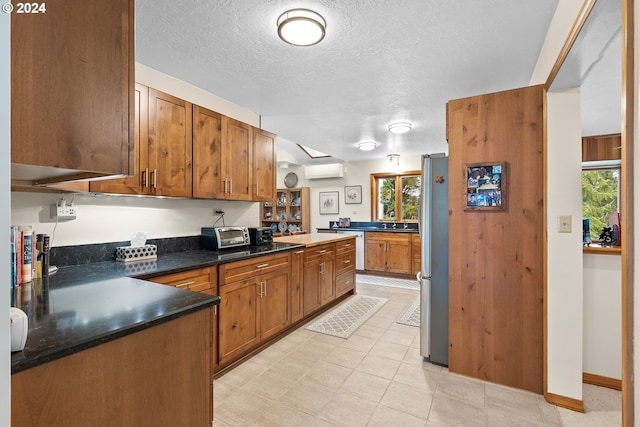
x=296, y=296
x=388, y=252
x=204, y=280
x=254, y=307
x=319, y=276
x=416, y=254
x=345, y=282
x=160, y=376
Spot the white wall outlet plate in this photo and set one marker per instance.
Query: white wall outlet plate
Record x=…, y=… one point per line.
x=564, y=225
x=64, y=212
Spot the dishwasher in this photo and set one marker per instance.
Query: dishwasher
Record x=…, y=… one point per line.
x=359, y=246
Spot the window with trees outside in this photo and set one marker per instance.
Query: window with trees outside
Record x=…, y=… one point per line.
x=600, y=194
x=396, y=196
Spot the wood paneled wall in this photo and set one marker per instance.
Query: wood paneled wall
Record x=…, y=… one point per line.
x=496, y=257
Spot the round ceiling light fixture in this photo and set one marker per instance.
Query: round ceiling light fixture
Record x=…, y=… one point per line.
x=301, y=27
x=367, y=145
x=400, y=127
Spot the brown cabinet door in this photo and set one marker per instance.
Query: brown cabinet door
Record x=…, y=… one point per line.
x=237, y=160
x=375, y=255
x=327, y=280
x=398, y=255
x=311, y=293
x=296, y=288
x=274, y=303
x=214, y=338
x=72, y=86
x=264, y=165
x=170, y=138
x=208, y=182
x=239, y=321
x=416, y=252
x=139, y=182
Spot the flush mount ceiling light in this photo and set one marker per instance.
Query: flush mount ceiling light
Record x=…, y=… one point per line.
x=400, y=127
x=301, y=27
x=367, y=145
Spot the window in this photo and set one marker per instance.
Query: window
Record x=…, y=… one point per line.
x=396, y=196
x=600, y=194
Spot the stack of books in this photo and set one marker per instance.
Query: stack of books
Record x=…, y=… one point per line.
x=29, y=255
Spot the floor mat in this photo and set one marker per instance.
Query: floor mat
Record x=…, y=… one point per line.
x=411, y=316
x=346, y=318
x=387, y=281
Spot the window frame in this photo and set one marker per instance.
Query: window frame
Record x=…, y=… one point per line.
x=374, y=177
x=599, y=165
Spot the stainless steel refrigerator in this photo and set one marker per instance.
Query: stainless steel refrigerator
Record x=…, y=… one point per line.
x=433, y=277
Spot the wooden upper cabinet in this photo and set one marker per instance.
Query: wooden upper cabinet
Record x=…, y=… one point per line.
x=72, y=90
x=207, y=154
x=139, y=182
x=264, y=165
x=170, y=136
x=237, y=160
x=601, y=147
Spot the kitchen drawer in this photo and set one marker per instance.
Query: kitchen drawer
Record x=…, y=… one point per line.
x=345, y=282
x=346, y=245
x=345, y=262
x=194, y=280
x=326, y=250
x=240, y=270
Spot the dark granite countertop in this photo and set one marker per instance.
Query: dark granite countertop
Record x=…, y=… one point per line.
x=374, y=229
x=411, y=227
x=82, y=306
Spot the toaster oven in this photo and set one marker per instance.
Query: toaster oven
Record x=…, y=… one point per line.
x=215, y=238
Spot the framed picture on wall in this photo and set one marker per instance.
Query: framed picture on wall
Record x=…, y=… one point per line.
x=329, y=203
x=486, y=186
x=352, y=194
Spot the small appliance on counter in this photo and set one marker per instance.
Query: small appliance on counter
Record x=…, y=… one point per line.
x=19, y=328
x=260, y=235
x=215, y=238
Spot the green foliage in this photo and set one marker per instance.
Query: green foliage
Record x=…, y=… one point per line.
x=599, y=197
x=410, y=197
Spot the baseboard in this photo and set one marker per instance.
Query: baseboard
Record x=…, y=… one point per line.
x=601, y=381
x=564, y=402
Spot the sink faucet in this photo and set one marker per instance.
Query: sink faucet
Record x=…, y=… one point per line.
x=384, y=225
x=405, y=226
x=394, y=226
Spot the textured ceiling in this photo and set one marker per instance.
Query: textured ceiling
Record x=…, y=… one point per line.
x=381, y=61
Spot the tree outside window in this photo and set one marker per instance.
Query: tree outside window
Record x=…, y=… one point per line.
x=600, y=197
x=397, y=196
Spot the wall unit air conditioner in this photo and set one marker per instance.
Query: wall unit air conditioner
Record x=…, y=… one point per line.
x=331, y=170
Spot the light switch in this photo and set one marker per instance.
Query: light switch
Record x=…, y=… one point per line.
x=565, y=224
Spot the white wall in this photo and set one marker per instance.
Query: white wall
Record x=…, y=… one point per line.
x=356, y=173
x=104, y=219
x=602, y=334
x=5, y=137
x=564, y=250
x=561, y=24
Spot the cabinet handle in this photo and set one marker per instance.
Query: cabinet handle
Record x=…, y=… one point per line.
x=155, y=178
x=299, y=252
x=215, y=310
x=231, y=186
x=262, y=265
x=265, y=288
x=145, y=176
x=322, y=251
x=346, y=261
x=322, y=268
x=182, y=285
x=224, y=186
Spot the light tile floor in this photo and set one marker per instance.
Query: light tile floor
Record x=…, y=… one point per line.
x=377, y=377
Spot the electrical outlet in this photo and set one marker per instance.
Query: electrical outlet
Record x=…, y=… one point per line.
x=564, y=225
x=64, y=212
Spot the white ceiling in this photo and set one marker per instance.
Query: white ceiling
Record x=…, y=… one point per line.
x=381, y=61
